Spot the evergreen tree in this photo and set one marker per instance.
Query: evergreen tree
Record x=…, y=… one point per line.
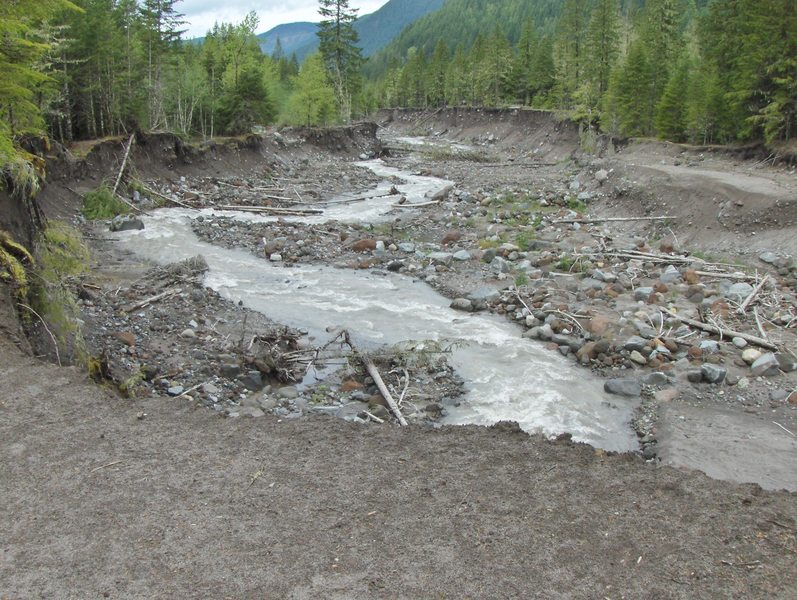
x=632, y=92
x=520, y=77
x=437, y=74
x=338, y=47
x=248, y=103
x=569, y=49
x=670, y=119
x=543, y=72
x=602, y=43
x=19, y=53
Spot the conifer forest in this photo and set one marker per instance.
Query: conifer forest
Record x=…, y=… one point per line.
x=699, y=71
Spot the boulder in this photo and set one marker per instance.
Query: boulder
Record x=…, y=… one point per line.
x=638, y=358
x=786, y=362
x=750, y=355
x=365, y=245
x=630, y=388
x=713, y=373
x=635, y=343
x=766, y=365
x=126, y=223
x=462, y=304
x=670, y=275
x=441, y=258
x=462, y=255
x=738, y=291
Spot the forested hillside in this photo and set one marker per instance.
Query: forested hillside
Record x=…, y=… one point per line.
x=289, y=37
x=715, y=71
x=683, y=70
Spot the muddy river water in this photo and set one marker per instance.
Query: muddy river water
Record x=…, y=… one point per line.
x=507, y=377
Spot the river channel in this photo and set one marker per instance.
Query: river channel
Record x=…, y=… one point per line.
x=507, y=377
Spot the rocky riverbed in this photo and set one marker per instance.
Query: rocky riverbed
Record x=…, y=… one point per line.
x=526, y=231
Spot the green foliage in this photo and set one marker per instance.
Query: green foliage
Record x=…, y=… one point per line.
x=338, y=48
x=247, y=103
x=61, y=255
x=313, y=100
x=525, y=240
x=22, y=83
x=13, y=260
x=102, y=204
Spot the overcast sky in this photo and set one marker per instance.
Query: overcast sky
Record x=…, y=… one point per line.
x=201, y=14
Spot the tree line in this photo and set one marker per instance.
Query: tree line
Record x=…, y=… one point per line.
x=82, y=69
x=672, y=68
x=678, y=69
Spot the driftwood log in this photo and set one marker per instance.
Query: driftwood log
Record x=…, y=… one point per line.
x=720, y=331
x=374, y=373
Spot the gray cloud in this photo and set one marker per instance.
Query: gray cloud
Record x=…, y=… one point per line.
x=200, y=15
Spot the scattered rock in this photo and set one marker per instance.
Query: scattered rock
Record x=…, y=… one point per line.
x=766, y=365
x=787, y=362
x=126, y=223
x=713, y=373
x=750, y=355
x=462, y=304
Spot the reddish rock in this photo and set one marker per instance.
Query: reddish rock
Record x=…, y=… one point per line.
x=364, y=245
x=793, y=398
x=351, y=386
x=127, y=338
x=661, y=288
x=691, y=277
x=667, y=247
x=450, y=236
x=694, y=353
x=721, y=308
x=599, y=324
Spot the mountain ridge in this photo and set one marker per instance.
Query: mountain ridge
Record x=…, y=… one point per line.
x=375, y=29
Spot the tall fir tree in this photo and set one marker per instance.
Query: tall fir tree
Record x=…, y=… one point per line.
x=569, y=49
x=161, y=31
x=602, y=43
x=338, y=47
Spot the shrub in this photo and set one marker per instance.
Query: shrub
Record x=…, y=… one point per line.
x=101, y=204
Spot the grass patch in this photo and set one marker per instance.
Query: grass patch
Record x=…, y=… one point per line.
x=101, y=204
x=524, y=240
x=488, y=243
x=447, y=153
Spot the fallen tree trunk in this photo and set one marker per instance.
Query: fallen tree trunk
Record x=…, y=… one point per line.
x=374, y=373
x=124, y=163
x=611, y=219
x=272, y=210
x=165, y=197
x=417, y=204
x=753, y=294
x=721, y=332
x=151, y=299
